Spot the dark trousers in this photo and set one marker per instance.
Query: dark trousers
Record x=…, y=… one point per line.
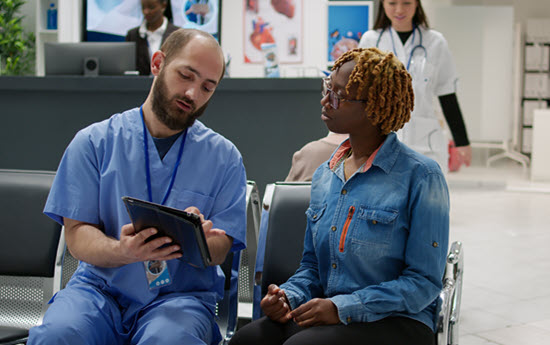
x=388, y=331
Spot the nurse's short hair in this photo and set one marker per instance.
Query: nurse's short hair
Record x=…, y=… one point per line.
x=381, y=79
x=178, y=39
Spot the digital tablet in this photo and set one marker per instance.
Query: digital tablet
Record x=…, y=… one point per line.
x=182, y=227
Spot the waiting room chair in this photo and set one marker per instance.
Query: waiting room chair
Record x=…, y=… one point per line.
x=285, y=205
x=236, y=267
x=248, y=255
x=283, y=225
x=29, y=250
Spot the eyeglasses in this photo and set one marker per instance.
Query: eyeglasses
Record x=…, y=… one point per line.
x=333, y=97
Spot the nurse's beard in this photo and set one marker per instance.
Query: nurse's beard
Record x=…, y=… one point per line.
x=175, y=118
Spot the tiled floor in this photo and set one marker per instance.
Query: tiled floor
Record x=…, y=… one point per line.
x=503, y=220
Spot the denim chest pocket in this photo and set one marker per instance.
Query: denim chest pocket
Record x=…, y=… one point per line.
x=314, y=213
x=374, y=226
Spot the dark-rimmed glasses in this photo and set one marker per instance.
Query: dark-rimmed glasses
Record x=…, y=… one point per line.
x=333, y=97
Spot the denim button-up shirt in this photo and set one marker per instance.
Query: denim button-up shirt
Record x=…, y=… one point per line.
x=376, y=244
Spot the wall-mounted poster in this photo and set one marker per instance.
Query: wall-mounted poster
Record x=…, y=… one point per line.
x=110, y=20
x=273, y=21
x=347, y=21
x=197, y=14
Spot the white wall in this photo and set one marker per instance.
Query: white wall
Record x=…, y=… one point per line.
x=481, y=41
x=70, y=20
x=29, y=11
x=523, y=9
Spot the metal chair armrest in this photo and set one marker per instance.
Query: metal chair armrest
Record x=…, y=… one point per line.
x=450, y=297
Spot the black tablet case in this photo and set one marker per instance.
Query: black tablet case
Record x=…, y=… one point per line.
x=183, y=228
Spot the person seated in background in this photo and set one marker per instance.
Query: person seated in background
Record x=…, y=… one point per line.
x=377, y=225
x=151, y=34
x=127, y=289
x=306, y=160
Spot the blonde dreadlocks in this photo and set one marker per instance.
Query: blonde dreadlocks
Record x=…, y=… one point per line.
x=383, y=81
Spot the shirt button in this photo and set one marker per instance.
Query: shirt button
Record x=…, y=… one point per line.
x=333, y=228
x=344, y=192
x=374, y=222
x=435, y=244
x=333, y=265
x=348, y=319
x=315, y=217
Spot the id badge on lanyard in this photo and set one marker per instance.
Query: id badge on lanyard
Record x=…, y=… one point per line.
x=157, y=274
x=157, y=271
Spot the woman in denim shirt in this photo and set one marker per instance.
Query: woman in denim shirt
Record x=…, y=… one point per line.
x=378, y=224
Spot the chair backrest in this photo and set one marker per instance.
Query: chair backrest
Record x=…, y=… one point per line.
x=28, y=248
x=286, y=226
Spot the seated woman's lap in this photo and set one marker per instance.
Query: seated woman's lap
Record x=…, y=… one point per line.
x=395, y=331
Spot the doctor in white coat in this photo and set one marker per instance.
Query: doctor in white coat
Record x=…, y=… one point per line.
x=402, y=28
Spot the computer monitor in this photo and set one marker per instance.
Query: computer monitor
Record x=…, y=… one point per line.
x=90, y=58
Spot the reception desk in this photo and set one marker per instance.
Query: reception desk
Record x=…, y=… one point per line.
x=267, y=119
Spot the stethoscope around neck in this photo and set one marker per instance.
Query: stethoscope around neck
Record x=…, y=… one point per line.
x=411, y=54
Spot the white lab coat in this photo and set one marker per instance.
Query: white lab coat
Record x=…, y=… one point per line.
x=423, y=132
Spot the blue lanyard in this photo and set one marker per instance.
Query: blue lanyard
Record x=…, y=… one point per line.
x=147, y=168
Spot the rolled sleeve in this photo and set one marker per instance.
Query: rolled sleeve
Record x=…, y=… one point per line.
x=293, y=298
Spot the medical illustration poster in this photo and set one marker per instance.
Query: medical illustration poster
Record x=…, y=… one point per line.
x=197, y=14
x=347, y=21
x=110, y=20
x=277, y=22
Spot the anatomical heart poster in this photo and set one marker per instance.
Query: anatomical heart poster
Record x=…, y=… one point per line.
x=277, y=22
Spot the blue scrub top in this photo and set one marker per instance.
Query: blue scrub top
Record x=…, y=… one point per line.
x=106, y=161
